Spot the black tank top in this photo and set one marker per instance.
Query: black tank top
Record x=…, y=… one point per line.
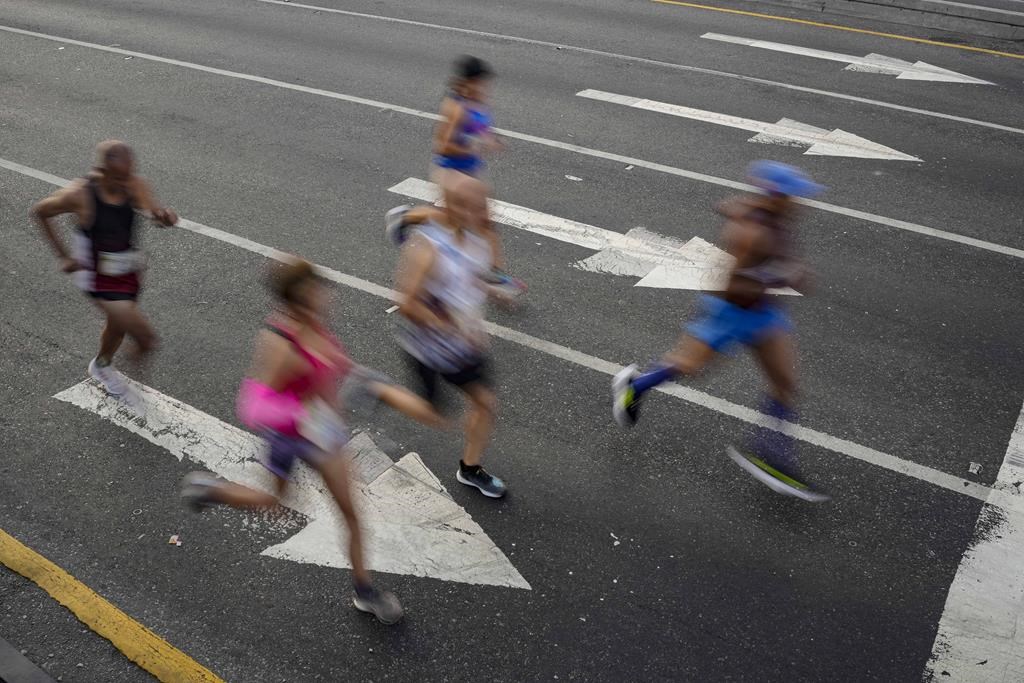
x=112, y=226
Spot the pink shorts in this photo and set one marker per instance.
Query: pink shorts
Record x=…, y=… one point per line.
x=262, y=409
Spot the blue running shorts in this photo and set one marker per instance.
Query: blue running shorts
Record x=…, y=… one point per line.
x=722, y=324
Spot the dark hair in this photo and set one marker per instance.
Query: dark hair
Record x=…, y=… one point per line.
x=287, y=279
x=468, y=67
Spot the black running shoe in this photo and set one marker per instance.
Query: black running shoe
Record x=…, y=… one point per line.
x=787, y=481
x=489, y=485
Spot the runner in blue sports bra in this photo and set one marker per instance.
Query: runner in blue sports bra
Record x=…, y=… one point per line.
x=461, y=139
x=758, y=235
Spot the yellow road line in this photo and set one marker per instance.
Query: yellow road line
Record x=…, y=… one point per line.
x=138, y=643
x=820, y=24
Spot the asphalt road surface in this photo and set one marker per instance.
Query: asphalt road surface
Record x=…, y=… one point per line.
x=644, y=555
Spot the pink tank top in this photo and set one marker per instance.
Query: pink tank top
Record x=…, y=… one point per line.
x=323, y=371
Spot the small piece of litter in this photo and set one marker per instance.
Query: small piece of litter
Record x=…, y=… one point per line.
x=173, y=540
x=615, y=544
x=128, y=57
x=392, y=309
x=583, y=618
x=573, y=178
x=629, y=168
x=613, y=535
x=60, y=48
x=974, y=468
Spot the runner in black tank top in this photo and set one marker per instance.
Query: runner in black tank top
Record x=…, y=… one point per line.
x=110, y=232
x=104, y=262
x=757, y=235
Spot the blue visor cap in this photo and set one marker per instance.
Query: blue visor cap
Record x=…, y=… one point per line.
x=780, y=178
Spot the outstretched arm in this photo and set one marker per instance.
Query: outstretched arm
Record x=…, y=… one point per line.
x=142, y=196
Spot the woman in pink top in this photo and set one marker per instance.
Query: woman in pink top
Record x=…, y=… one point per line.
x=290, y=397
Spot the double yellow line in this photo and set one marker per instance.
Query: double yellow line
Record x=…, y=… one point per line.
x=819, y=24
x=154, y=654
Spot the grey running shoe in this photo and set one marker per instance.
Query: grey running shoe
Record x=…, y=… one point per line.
x=489, y=485
x=381, y=604
x=196, y=489
x=395, y=228
x=789, y=483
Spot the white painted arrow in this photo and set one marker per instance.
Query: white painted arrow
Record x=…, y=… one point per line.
x=822, y=142
x=411, y=525
x=979, y=635
x=660, y=261
x=874, y=63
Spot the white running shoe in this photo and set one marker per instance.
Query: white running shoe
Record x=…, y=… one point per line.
x=112, y=380
x=118, y=387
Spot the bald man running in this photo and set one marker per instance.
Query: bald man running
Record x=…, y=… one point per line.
x=104, y=260
x=441, y=301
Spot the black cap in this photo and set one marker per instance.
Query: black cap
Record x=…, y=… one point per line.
x=469, y=67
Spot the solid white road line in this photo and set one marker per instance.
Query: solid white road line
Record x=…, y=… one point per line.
x=874, y=63
x=981, y=632
x=411, y=524
x=820, y=141
x=555, y=144
x=997, y=498
x=648, y=62
x=980, y=8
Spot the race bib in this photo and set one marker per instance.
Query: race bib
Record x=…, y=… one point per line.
x=117, y=263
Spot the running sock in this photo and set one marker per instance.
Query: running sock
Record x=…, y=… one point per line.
x=364, y=591
x=103, y=361
x=469, y=468
x=777, y=448
x=657, y=375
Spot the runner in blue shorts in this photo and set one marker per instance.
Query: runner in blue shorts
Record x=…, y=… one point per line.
x=758, y=236
x=463, y=136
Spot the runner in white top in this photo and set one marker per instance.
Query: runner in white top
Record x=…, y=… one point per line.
x=442, y=300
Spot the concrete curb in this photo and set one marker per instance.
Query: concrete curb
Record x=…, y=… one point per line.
x=967, y=20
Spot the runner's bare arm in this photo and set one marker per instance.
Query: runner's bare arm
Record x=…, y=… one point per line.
x=444, y=133
x=65, y=200
x=418, y=215
x=413, y=268
x=142, y=196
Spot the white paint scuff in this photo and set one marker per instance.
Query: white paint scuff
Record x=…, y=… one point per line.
x=819, y=141
x=873, y=63
x=411, y=524
x=981, y=632
x=660, y=261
